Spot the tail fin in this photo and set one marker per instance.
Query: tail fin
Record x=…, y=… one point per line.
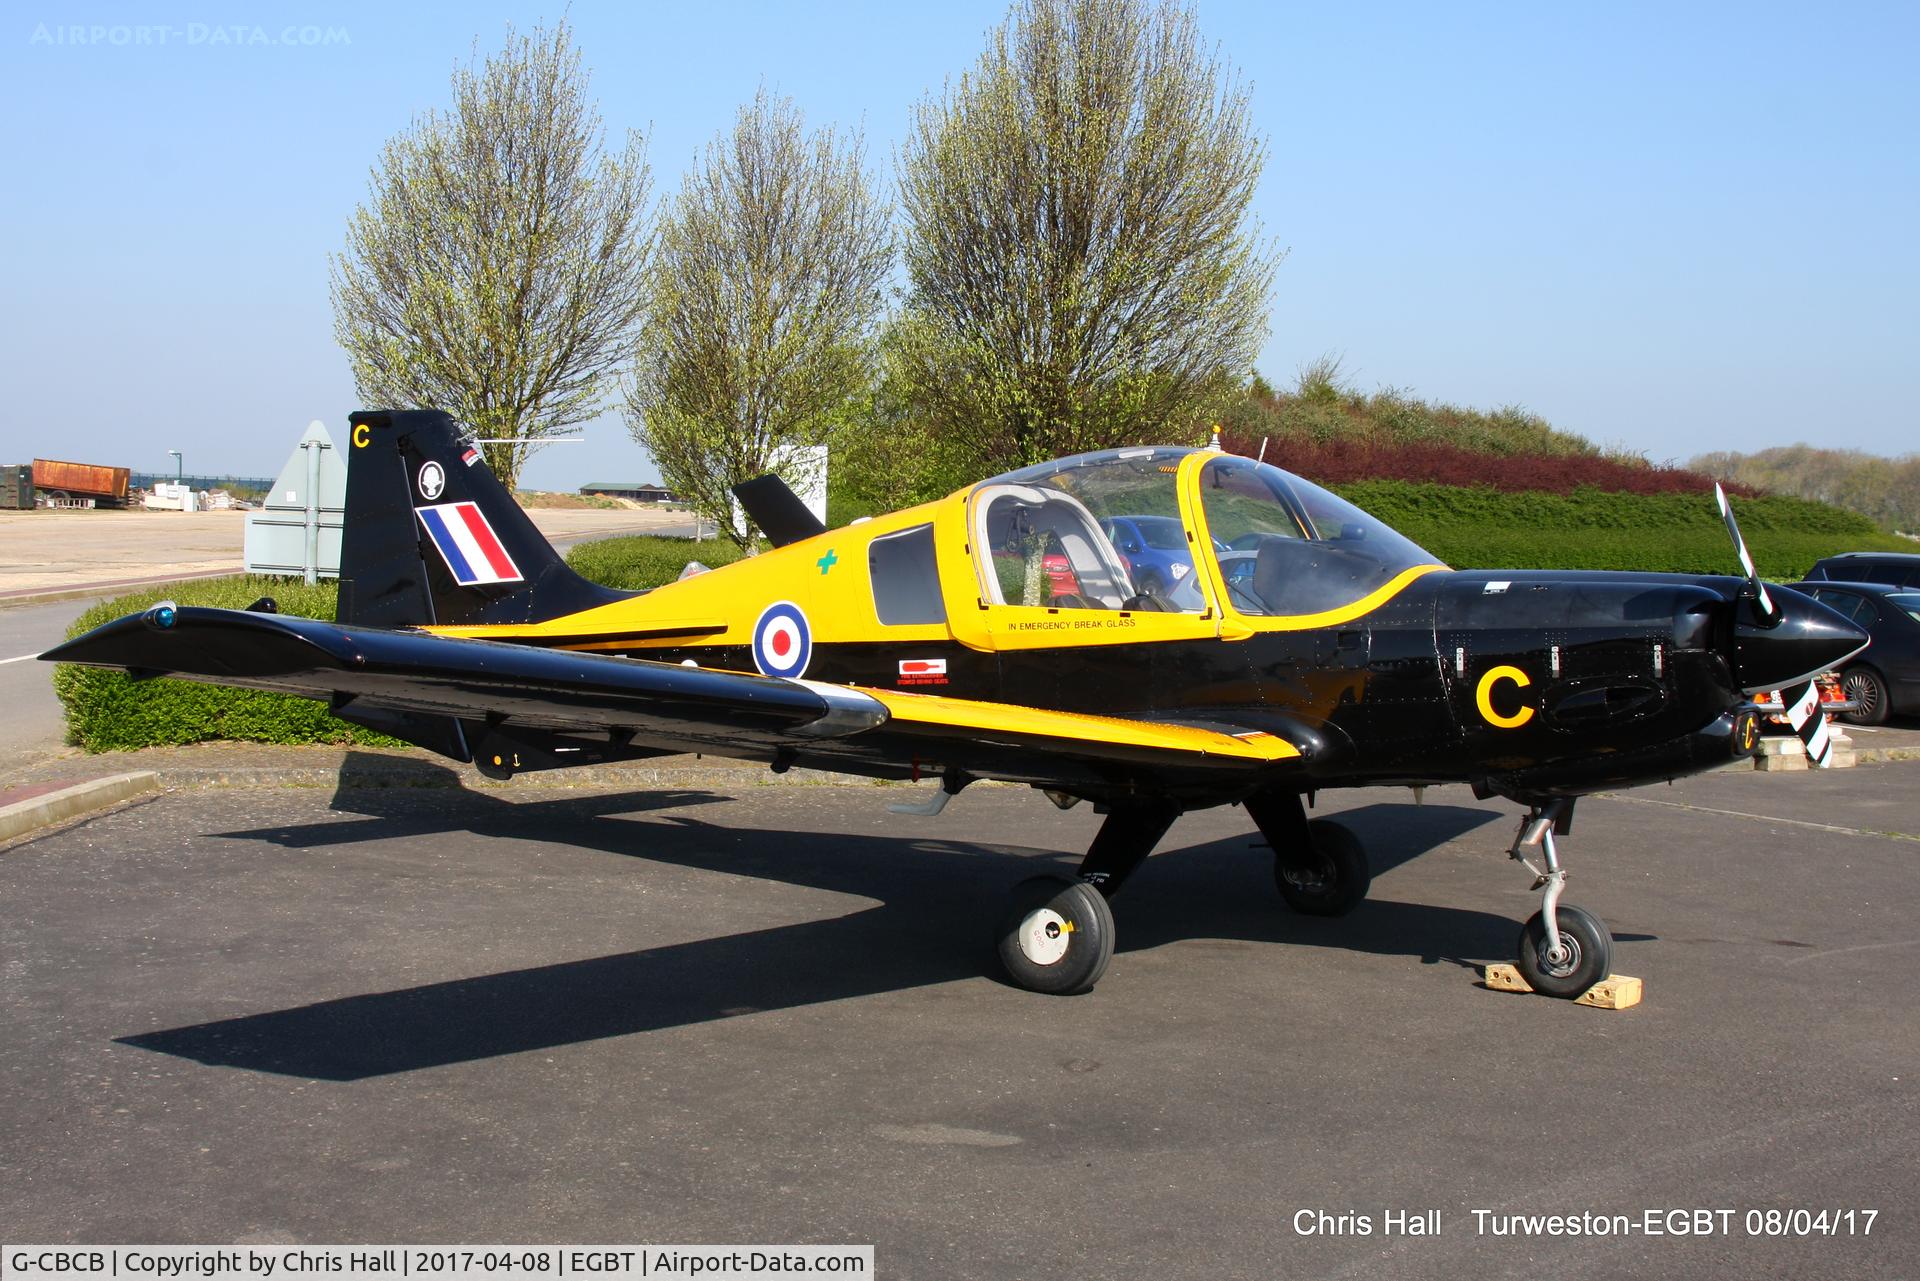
x=432, y=537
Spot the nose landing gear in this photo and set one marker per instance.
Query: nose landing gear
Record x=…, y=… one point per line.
x=1563, y=950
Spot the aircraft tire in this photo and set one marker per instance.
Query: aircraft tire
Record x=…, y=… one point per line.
x=1331, y=879
x=1589, y=961
x=1056, y=936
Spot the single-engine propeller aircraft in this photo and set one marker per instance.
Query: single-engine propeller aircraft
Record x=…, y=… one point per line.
x=1292, y=643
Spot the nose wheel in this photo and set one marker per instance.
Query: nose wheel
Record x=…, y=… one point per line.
x=1564, y=950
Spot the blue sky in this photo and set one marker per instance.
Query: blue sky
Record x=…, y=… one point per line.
x=1670, y=228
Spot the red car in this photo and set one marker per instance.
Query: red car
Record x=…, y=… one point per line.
x=1833, y=699
x=1059, y=571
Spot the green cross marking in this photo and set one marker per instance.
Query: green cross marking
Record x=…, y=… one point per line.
x=828, y=561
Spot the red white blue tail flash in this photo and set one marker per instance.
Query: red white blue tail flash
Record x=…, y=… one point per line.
x=782, y=641
x=468, y=544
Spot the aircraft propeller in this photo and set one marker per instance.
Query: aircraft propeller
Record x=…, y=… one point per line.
x=1802, y=702
x=1768, y=614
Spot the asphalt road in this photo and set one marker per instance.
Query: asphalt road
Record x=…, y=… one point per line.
x=33, y=716
x=769, y=1017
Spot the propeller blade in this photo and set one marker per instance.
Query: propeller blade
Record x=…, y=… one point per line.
x=1768, y=614
x=1809, y=721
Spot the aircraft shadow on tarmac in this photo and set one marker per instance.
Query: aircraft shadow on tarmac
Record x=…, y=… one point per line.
x=937, y=899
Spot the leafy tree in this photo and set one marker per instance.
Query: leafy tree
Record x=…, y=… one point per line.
x=1082, y=267
x=496, y=269
x=764, y=292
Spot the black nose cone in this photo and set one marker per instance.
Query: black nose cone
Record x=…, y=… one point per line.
x=1808, y=639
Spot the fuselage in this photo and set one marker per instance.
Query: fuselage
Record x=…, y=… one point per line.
x=1296, y=615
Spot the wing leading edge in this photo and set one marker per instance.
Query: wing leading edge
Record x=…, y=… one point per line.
x=887, y=733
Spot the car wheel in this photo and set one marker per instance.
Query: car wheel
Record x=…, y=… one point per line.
x=1867, y=691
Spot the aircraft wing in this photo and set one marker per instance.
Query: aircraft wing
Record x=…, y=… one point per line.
x=888, y=733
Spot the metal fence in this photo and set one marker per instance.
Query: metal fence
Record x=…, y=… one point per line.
x=148, y=479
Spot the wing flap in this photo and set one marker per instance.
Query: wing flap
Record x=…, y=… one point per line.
x=983, y=720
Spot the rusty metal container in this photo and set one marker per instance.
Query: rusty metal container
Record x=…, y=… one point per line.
x=81, y=478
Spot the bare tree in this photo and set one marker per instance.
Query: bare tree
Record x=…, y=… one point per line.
x=496, y=270
x=764, y=292
x=1083, y=269
x=1886, y=490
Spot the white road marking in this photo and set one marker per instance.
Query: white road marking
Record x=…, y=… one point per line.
x=1764, y=818
x=1842, y=951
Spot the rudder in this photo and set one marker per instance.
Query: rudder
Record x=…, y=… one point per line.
x=431, y=536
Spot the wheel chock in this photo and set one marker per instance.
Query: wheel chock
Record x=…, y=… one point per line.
x=1614, y=992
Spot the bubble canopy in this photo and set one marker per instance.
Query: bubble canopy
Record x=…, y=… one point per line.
x=1093, y=532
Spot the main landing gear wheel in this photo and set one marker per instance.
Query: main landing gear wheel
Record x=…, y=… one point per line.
x=1329, y=876
x=1056, y=936
x=1584, y=957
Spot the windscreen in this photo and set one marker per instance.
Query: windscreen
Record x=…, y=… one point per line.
x=1292, y=547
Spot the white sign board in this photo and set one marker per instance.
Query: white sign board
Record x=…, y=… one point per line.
x=297, y=529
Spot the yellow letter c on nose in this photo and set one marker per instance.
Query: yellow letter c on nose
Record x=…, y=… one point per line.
x=1483, y=697
x=360, y=435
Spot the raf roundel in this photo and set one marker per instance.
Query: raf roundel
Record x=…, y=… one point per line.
x=782, y=641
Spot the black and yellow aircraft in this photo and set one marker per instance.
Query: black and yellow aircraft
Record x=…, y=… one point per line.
x=1295, y=643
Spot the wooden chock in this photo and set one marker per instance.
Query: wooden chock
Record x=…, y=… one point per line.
x=1614, y=992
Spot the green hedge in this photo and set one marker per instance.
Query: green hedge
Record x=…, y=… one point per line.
x=109, y=711
x=646, y=561
x=1480, y=528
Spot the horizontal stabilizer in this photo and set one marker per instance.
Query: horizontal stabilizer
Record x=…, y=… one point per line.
x=359, y=669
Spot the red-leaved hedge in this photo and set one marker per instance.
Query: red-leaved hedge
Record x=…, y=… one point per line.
x=1344, y=461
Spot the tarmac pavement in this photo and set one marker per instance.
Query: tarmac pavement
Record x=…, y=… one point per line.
x=56, y=554
x=767, y=1014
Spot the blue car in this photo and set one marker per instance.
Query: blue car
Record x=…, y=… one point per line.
x=1155, y=551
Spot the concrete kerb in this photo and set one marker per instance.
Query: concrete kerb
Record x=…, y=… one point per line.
x=392, y=771
x=57, y=806
x=361, y=768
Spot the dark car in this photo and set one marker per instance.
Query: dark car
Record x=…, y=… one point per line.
x=1889, y=569
x=1885, y=676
